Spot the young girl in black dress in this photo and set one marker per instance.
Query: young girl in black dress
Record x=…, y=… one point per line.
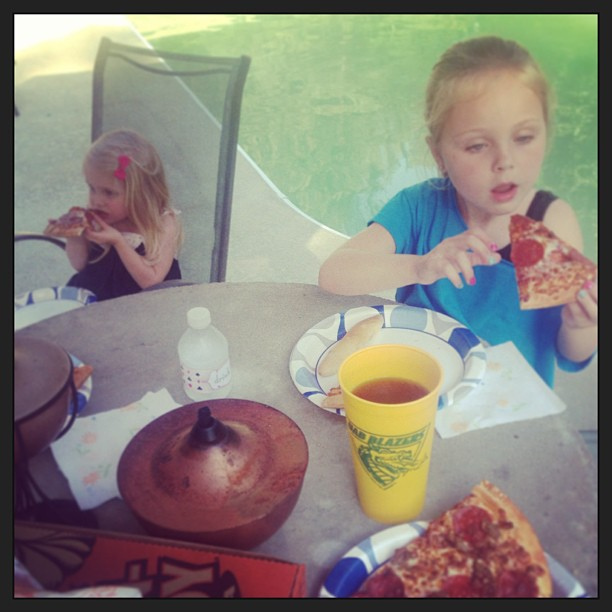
x=137, y=233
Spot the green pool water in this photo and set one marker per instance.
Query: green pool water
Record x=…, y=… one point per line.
x=332, y=108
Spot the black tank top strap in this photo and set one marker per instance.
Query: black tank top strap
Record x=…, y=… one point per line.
x=539, y=204
x=536, y=211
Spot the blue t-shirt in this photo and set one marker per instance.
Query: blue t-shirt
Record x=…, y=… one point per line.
x=419, y=218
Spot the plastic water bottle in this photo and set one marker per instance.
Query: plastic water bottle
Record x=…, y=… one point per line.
x=204, y=357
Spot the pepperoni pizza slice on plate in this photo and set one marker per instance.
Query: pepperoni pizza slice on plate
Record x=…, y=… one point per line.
x=483, y=546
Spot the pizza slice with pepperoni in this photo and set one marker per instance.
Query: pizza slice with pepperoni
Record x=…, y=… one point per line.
x=549, y=271
x=72, y=223
x=483, y=546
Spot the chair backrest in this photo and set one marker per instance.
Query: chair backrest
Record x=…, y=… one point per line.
x=39, y=261
x=188, y=106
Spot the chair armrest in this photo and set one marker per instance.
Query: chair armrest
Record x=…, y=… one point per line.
x=19, y=236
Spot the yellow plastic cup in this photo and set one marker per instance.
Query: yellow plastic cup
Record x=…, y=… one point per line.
x=391, y=443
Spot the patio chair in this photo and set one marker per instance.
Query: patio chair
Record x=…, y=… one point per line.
x=188, y=106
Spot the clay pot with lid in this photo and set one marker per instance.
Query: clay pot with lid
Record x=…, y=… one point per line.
x=43, y=395
x=226, y=472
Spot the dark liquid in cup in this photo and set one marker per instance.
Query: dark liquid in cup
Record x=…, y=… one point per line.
x=390, y=390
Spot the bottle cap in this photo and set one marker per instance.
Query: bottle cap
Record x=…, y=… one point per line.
x=198, y=317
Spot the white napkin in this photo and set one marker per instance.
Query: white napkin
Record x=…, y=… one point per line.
x=511, y=390
x=88, y=454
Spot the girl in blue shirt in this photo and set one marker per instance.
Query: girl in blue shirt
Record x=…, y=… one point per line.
x=488, y=118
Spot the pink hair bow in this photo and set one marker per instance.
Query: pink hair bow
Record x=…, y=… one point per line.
x=123, y=161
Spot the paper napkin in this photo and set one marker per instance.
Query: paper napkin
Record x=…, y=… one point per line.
x=511, y=390
x=88, y=454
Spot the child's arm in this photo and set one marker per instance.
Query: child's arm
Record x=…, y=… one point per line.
x=577, y=339
x=77, y=251
x=144, y=272
x=367, y=262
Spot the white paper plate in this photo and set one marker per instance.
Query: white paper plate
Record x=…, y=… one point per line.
x=34, y=306
x=361, y=560
x=458, y=349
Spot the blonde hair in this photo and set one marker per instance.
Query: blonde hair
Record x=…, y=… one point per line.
x=147, y=197
x=455, y=77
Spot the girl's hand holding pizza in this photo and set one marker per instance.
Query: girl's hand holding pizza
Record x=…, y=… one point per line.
x=103, y=232
x=582, y=312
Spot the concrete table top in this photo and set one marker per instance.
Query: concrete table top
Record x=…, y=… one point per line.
x=543, y=464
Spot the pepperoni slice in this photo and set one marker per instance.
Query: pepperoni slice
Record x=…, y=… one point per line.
x=385, y=584
x=472, y=525
x=526, y=252
x=512, y=583
x=458, y=586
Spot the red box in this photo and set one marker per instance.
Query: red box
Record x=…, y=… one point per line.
x=64, y=558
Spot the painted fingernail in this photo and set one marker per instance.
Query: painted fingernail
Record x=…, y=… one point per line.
x=582, y=294
x=492, y=259
x=472, y=281
x=493, y=247
x=588, y=284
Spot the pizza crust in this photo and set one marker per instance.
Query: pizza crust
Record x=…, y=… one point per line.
x=497, y=502
x=58, y=232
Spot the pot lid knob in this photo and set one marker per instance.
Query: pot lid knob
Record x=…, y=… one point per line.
x=207, y=431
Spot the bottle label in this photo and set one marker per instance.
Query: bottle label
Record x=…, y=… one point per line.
x=206, y=381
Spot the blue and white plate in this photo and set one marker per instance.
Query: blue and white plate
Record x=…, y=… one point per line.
x=361, y=560
x=34, y=306
x=458, y=349
x=84, y=393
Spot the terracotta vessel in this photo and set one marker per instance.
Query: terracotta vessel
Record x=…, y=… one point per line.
x=43, y=392
x=226, y=472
